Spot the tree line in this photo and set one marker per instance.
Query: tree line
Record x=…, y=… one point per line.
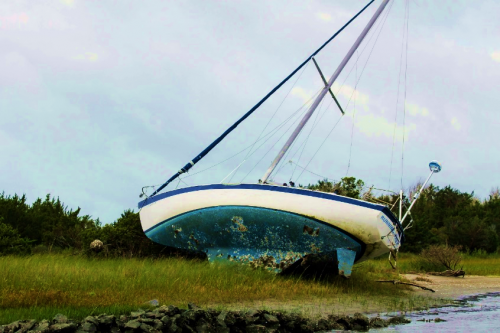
x=440, y=216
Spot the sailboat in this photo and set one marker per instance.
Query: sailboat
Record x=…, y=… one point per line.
x=272, y=223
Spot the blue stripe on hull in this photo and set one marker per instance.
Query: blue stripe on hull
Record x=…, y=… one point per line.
x=251, y=232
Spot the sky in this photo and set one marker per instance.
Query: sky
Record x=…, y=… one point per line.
x=101, y=98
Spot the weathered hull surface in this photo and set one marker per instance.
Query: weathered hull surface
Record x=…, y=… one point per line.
x=248, y=222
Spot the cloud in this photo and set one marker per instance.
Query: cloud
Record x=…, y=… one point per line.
x=87, y=56
x=324, y=16
x=68, y=3
x=495, y=56
x=306, y=96
x=455, y=123
x=350, y=94
x=373, y=125
x=14, y=20
x=416, y=110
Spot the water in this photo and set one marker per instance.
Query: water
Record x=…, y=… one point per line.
x=480, y=313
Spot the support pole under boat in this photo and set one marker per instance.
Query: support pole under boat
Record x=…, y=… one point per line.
x=324, y=91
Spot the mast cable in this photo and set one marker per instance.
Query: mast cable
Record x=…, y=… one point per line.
x=404, y=105
x=397, y=101
x=276, y=142
x=371, y=51
x=353, y=116
x=269, y=121
x=324, y=112
x=195, y=160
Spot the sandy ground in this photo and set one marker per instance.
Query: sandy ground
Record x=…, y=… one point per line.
x=455, y=287
x=446, y=288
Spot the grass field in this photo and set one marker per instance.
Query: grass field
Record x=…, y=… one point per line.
x=40, y=286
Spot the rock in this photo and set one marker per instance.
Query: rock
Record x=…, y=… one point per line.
x=252, y=313
x=27, y=325
x=92, y=320
x=345, y=322
x=162, y=309
x=107, y=321
x=439, y=320
x=307, y=326
x=137, y=314
x=203, y=327
x=88, y=327
x=187, y=328
x=190, y=315
x=323, y=325
x=12, y=327
x=256, y=328
x=133, y=324
x=66, y=327
x=157, y=324
x=166, y=320
x=97, y=246
x=173, y=310
x=60, y=319
x=147, y=328
x=222, y=330
x=360, y=322
x=192, y=306
x=377, y=322
x=42, y=326
x=220, y=320
x=271, y=321
x=398, y=320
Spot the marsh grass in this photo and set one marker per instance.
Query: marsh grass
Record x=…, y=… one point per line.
x=40, y=286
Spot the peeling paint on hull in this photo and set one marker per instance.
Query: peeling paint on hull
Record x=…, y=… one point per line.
x=242, y=233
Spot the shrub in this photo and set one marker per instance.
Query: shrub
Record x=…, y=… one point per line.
x=448, y=256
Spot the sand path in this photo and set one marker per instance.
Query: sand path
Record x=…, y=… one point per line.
x=455, y=287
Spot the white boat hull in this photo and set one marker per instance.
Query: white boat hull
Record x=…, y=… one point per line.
x=198, y=217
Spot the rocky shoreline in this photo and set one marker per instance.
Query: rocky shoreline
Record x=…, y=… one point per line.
x=195, y=319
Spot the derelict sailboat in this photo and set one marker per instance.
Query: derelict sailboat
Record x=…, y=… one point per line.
x=248, y=222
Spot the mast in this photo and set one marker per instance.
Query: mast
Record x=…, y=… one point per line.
x=324, y=91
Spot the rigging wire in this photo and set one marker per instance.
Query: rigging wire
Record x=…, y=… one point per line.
x=373, y=32
x=282, y=163
x=404, y=105
x=397, y=99
x=319, y=121
x=353, y=117
x=361, y=74
x=371, y=51
x=304, y=143
x=270, y=133
x=303, y=107
x=320, y=147
x=270, y=119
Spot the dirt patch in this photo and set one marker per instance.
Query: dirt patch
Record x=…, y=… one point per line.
x=454, y=287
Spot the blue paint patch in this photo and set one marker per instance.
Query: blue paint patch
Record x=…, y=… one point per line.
x=345, y=261
x=243, y=233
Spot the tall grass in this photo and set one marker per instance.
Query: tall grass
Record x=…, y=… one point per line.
x=40, y=285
